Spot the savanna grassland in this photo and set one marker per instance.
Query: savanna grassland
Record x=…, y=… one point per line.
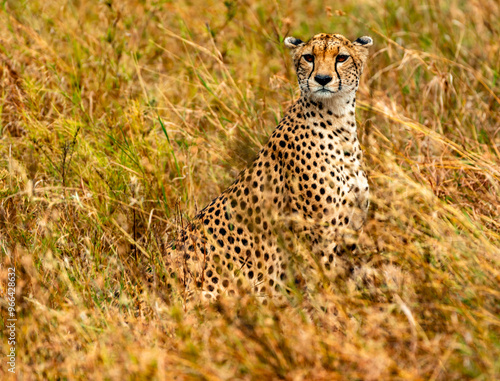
x=121, y=119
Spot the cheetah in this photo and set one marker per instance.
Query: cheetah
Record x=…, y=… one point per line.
x=306, y=184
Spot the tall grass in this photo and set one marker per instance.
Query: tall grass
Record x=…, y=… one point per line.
x=119, y=118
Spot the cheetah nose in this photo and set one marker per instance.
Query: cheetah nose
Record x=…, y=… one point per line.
x=323, y=79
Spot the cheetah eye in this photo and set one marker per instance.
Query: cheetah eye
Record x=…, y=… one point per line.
x=342, y=57
x=308, y=57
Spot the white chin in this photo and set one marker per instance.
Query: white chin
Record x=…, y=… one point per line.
x=325, y=94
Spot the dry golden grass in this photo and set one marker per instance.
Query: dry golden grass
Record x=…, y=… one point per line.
x=116, y=116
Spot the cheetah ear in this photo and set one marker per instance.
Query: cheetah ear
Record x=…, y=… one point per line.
x=293, y=43
x=364, y=41
x=361, y=45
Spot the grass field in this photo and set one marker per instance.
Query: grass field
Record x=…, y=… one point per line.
x=118, y=118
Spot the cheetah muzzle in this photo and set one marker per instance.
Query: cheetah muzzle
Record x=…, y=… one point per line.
x=306, y=185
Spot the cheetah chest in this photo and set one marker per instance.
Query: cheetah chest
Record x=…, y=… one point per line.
x=327, y=183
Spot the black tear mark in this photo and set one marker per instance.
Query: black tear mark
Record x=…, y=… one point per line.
x=312, y=71
x=338, y=75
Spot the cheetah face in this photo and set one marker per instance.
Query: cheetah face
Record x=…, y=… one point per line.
x=328, y=65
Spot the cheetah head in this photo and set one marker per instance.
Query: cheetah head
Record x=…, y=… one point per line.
x=328, y=65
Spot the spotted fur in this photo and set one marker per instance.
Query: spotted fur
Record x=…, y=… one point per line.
x=306, y=185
